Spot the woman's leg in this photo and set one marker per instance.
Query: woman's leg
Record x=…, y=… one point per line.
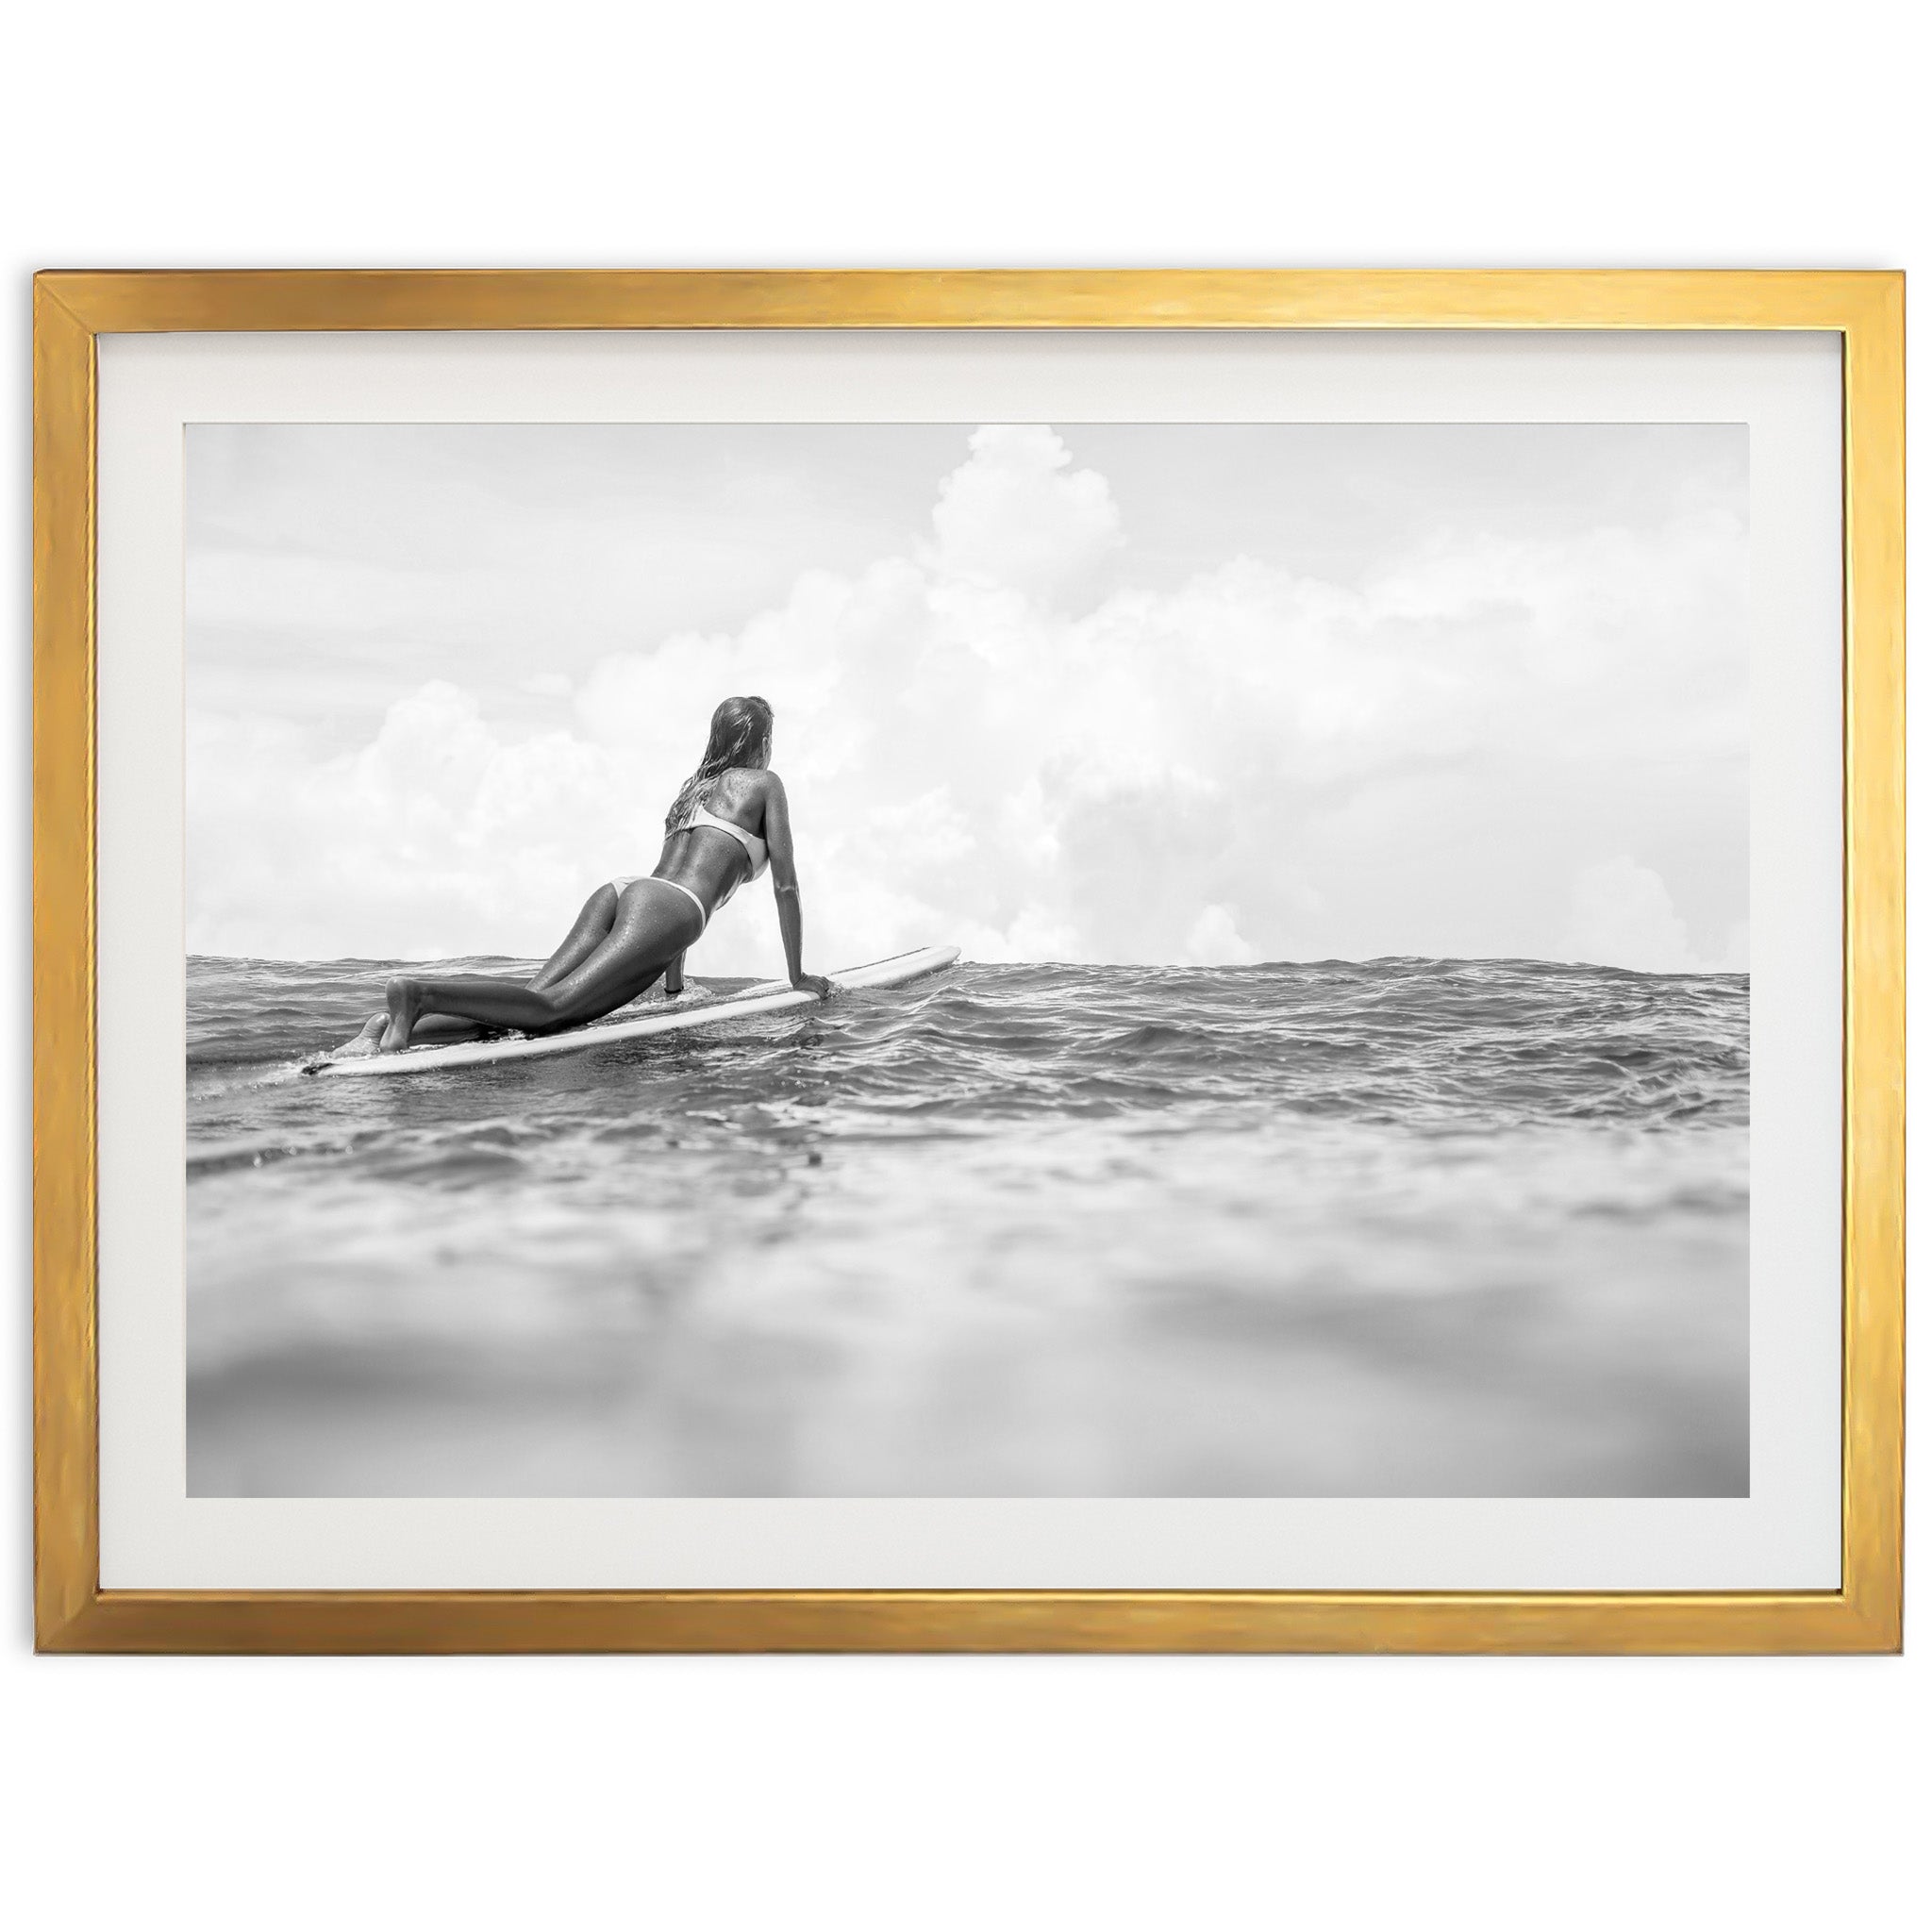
x=431, y=1029
x=593, y=926
x=591, y=929
x=650, y=929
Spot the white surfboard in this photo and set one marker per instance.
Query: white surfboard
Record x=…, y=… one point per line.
x=692, y=1010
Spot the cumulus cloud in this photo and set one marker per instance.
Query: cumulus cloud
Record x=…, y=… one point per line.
x=1621, y=915
x=1016, y=513
x=1214, y=940
x=1000, y=739
x=436, y=837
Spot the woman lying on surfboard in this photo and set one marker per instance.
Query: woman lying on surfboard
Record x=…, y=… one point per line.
x=728, y=821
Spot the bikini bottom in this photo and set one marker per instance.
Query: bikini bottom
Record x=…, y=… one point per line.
x=631, y=878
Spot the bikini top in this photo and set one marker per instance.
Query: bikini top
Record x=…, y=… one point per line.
x=754, y=845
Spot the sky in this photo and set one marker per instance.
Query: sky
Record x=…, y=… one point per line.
x=1155, y=693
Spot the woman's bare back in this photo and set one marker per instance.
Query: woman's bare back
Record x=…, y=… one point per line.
x=710, y=863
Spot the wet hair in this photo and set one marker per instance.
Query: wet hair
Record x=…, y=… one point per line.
x=740, y=735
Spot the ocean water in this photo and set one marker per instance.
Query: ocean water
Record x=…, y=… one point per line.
x=1404, y=1227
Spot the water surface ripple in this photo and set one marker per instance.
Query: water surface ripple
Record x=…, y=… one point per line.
x=1401, y=1227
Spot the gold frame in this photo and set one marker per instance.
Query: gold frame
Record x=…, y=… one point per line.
x=74, y=1613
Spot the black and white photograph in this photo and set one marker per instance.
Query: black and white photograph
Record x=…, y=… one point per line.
x=968, y=959
x=961, y=968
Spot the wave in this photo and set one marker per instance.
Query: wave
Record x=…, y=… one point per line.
x=1420, y=1042
x=1386, y=1227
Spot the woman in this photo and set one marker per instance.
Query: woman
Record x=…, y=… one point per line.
x=728, y=821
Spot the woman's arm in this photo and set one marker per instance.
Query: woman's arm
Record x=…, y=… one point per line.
x=785, y=886
x=674, y=977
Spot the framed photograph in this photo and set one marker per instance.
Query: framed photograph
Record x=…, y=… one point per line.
x=984, y=962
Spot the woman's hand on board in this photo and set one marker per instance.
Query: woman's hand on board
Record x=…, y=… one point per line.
x=812, y=982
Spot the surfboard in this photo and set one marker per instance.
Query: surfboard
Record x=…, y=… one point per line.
x=692, y=1010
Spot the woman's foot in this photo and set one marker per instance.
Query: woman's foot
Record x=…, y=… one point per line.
x=367, y=1042
x=405, y=1004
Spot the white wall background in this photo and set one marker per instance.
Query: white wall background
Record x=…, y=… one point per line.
x=1348, y=1792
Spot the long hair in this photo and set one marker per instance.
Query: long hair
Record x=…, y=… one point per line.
x=740, y=735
